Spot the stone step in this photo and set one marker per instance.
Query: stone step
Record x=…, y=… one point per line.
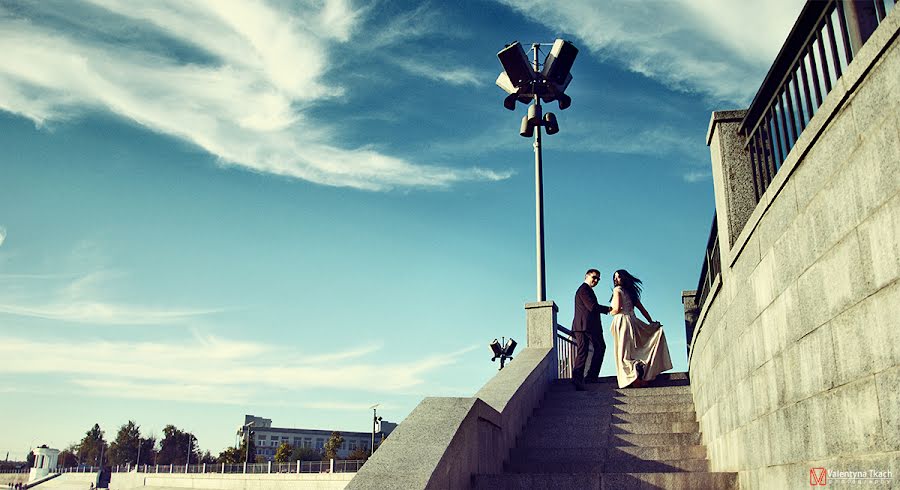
x=656, y=466
x=553, y=454
x=655, y=428
x=556, y=454
x=604, y=388
x=670, y=481
x=653, y=408
x=569, y=440
x=643, y=418
x=536, y=481
x=604, y=481
x=608, y=466
x=587, y=398
x=656, y=453
x=647, y=440
x=664, y=379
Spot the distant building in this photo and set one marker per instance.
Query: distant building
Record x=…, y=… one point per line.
x=268, y=438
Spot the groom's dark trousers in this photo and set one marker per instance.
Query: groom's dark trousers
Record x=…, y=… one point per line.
x=588, y=330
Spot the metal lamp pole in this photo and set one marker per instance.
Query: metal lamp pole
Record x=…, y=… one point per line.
x=247, y=439
x=374, y=423
x=539, y=193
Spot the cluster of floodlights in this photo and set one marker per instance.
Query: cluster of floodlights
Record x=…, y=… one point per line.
x=503, y=353
x=527, y=81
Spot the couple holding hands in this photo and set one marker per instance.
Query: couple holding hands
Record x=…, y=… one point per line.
x=641, y=351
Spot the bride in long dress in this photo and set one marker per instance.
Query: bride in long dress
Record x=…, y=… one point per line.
x=641, y=349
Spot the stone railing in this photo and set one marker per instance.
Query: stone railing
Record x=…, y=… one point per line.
x=445, y=441
x=795, y=354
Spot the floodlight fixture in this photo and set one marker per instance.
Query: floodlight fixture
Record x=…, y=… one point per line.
x=516, y=65
x=550, y=123
x=509, y=347
x=496, y=349
x=559, y=62
x=503, y=353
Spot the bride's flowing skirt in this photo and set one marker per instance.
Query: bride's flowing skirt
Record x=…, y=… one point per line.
x=636, y=341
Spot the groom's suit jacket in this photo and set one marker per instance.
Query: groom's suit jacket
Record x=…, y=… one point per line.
x=587, y=310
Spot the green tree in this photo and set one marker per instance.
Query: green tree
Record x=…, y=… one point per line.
x=29, y=459
x=231, y=455
x=206, y=458
x=283, y=453
x=124, y=449
x=358, y=453
x=236, y=455
x=67, y=457
x=92, y=447
x=305, y=454
x=174, y=446
x=148, y=451
x=333, y=445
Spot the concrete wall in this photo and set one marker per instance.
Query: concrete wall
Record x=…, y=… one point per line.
x=69, y=481
x=795, y=358
x=274, y=481
x=445, y=441
x=7, y=478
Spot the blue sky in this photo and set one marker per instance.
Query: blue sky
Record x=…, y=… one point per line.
x=299, y=209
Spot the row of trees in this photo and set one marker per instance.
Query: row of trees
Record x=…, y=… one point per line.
x=130, y=447
x=177, y=446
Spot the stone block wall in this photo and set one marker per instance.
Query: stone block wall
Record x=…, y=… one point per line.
x=795, y=360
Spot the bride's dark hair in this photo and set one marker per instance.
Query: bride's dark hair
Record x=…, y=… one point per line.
x=630, y=284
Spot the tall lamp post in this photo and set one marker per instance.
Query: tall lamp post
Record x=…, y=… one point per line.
x=375, y=420
x=190, y=446
x=246, y=430
x=527, y=82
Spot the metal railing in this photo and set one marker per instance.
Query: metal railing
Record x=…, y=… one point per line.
x=79, y=469
x=329, y=466
x=712, y=265
x=565, y=351
x=15, y=470
x=823, y=41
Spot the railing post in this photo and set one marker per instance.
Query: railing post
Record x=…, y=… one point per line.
x=245, y=467
x=862, y=20
x=298, y=466
x=331, y=466
x=223, y=468
x=732, y=173
x=270, y=466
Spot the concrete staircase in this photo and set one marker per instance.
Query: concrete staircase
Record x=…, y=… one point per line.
x=608, y=437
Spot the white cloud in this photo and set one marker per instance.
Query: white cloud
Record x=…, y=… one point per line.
x=248, y=106
x=211, y=369
x=697, y=176
x=81, y=300
x=718, y=48
x=2, y=235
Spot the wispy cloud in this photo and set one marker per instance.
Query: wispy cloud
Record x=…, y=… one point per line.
x=720, y=49
x=2, y=235
x=697, y=176
x=234, y=78
x=212, y=369
x=81, y=300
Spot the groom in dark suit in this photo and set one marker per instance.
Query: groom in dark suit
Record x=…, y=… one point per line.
x=587, y=328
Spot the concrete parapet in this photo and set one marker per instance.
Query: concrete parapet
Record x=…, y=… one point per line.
x=445, y=441
x=237, y=481
x=794, y=364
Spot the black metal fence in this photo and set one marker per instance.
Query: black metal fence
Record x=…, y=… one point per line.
x=821, y=44
x=712, y=265
x=565, y=351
